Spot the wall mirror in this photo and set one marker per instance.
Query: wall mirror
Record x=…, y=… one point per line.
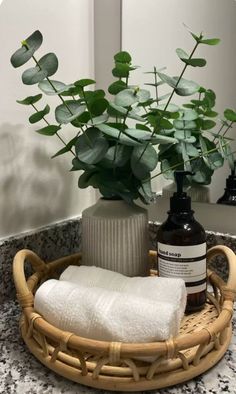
x=151, y=31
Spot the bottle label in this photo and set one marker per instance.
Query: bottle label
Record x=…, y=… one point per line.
x=186, y=262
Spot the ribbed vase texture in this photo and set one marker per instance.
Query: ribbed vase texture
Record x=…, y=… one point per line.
x=115, y=237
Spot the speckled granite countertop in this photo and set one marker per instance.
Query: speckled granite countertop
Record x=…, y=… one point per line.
x=21, y=373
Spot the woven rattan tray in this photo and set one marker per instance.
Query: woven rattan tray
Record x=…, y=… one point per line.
x=203, y=339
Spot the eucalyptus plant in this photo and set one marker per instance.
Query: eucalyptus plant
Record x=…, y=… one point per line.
x=118, y=142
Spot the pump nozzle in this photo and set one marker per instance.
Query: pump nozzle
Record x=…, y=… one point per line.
x=179, y=179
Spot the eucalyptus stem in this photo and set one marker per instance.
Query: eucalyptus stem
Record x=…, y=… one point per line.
x=117, y=141
x=155, y=77
x=61, y=139
x=229, y=127
x=170, y=98
x=55, y=90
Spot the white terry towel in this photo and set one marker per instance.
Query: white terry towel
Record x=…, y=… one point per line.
x=171, y=290
x=105, y=315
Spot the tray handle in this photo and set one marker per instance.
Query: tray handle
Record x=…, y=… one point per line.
x=24, y=294
x=230, y=287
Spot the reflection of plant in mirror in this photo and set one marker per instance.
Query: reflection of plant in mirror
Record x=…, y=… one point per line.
x=117, y=156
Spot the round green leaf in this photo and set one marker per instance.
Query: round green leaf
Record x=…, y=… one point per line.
x=182, y=54
x=98, y=120
x=67, y=112
x=57, y=88
x=29, y=46
x=49, y=130
x=116, y=110
x=230, y=115
x=116, y=156
x=208, y=124
x=33, y=75
x=49, y=63
x=91, y=147
x=84, y=82
x=185, y=87
x=185, y=135
x=166, y=169
x=21, y=56
x=192, y=150
x=115, y=133
x=30, y=99
x=122, y=57
x=97, y=107
x=34, y=41
x=184, y=124
x=126, y=98
x=117, y=87
x=188, y=115
x=39, y=115
x=197, y=62
x=141, y=167
x=210, y=41
x=143, y=95
x=163, y=139
x=170, y=108
x=121, y=70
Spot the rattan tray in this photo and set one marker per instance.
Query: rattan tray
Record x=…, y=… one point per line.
x=203, y=339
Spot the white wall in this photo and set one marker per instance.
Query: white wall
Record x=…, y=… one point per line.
x=36, y=190
x=153, y=29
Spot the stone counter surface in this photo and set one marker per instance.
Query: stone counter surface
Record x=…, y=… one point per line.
x=22, y=373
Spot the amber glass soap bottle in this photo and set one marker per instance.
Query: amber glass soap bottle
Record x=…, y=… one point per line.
x=181, y=243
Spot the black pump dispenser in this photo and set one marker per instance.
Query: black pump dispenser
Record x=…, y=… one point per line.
x=180, y=201
x=229, y=196
x=181, y=244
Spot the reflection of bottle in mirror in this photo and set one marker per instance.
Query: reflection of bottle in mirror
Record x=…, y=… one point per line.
x=181, y=243
x=229, y=196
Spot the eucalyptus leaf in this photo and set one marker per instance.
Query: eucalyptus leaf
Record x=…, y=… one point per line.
x=122, y=57
x=119, y=110
x=39, y=115
x=143, y=95
x=53, y=87
x=166, y=169
x=126, y=98
x=91, y=147
x=182, y=54
x=117, y=134
x=185, y=135
x=143, y=163
x=169, y=108
x=84, y=82
x=207, y=124
x=49, y=130
x=66, y=148
x=197, y=62
x=116, y=156
x=33, y=75
x=49, y=63
x=184, y=124
x=163, y=139
x=29, y=46
x=121, y=70
x=202, y=173
x=98, y=106
x=188, y=115
x=230, y=115
x=98, y=120
x=30, y=100
x=117, y=87
x=68, y=111
x=210, y=41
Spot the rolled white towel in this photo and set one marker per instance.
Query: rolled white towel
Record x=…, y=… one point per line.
x=105, y=315
x=171, y=290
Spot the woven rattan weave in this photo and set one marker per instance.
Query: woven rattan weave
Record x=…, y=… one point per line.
x=202, y=341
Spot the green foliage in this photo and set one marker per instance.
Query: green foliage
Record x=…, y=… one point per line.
x=118, y=142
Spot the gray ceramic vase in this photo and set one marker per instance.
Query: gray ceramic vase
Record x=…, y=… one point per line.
x=115, y=237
